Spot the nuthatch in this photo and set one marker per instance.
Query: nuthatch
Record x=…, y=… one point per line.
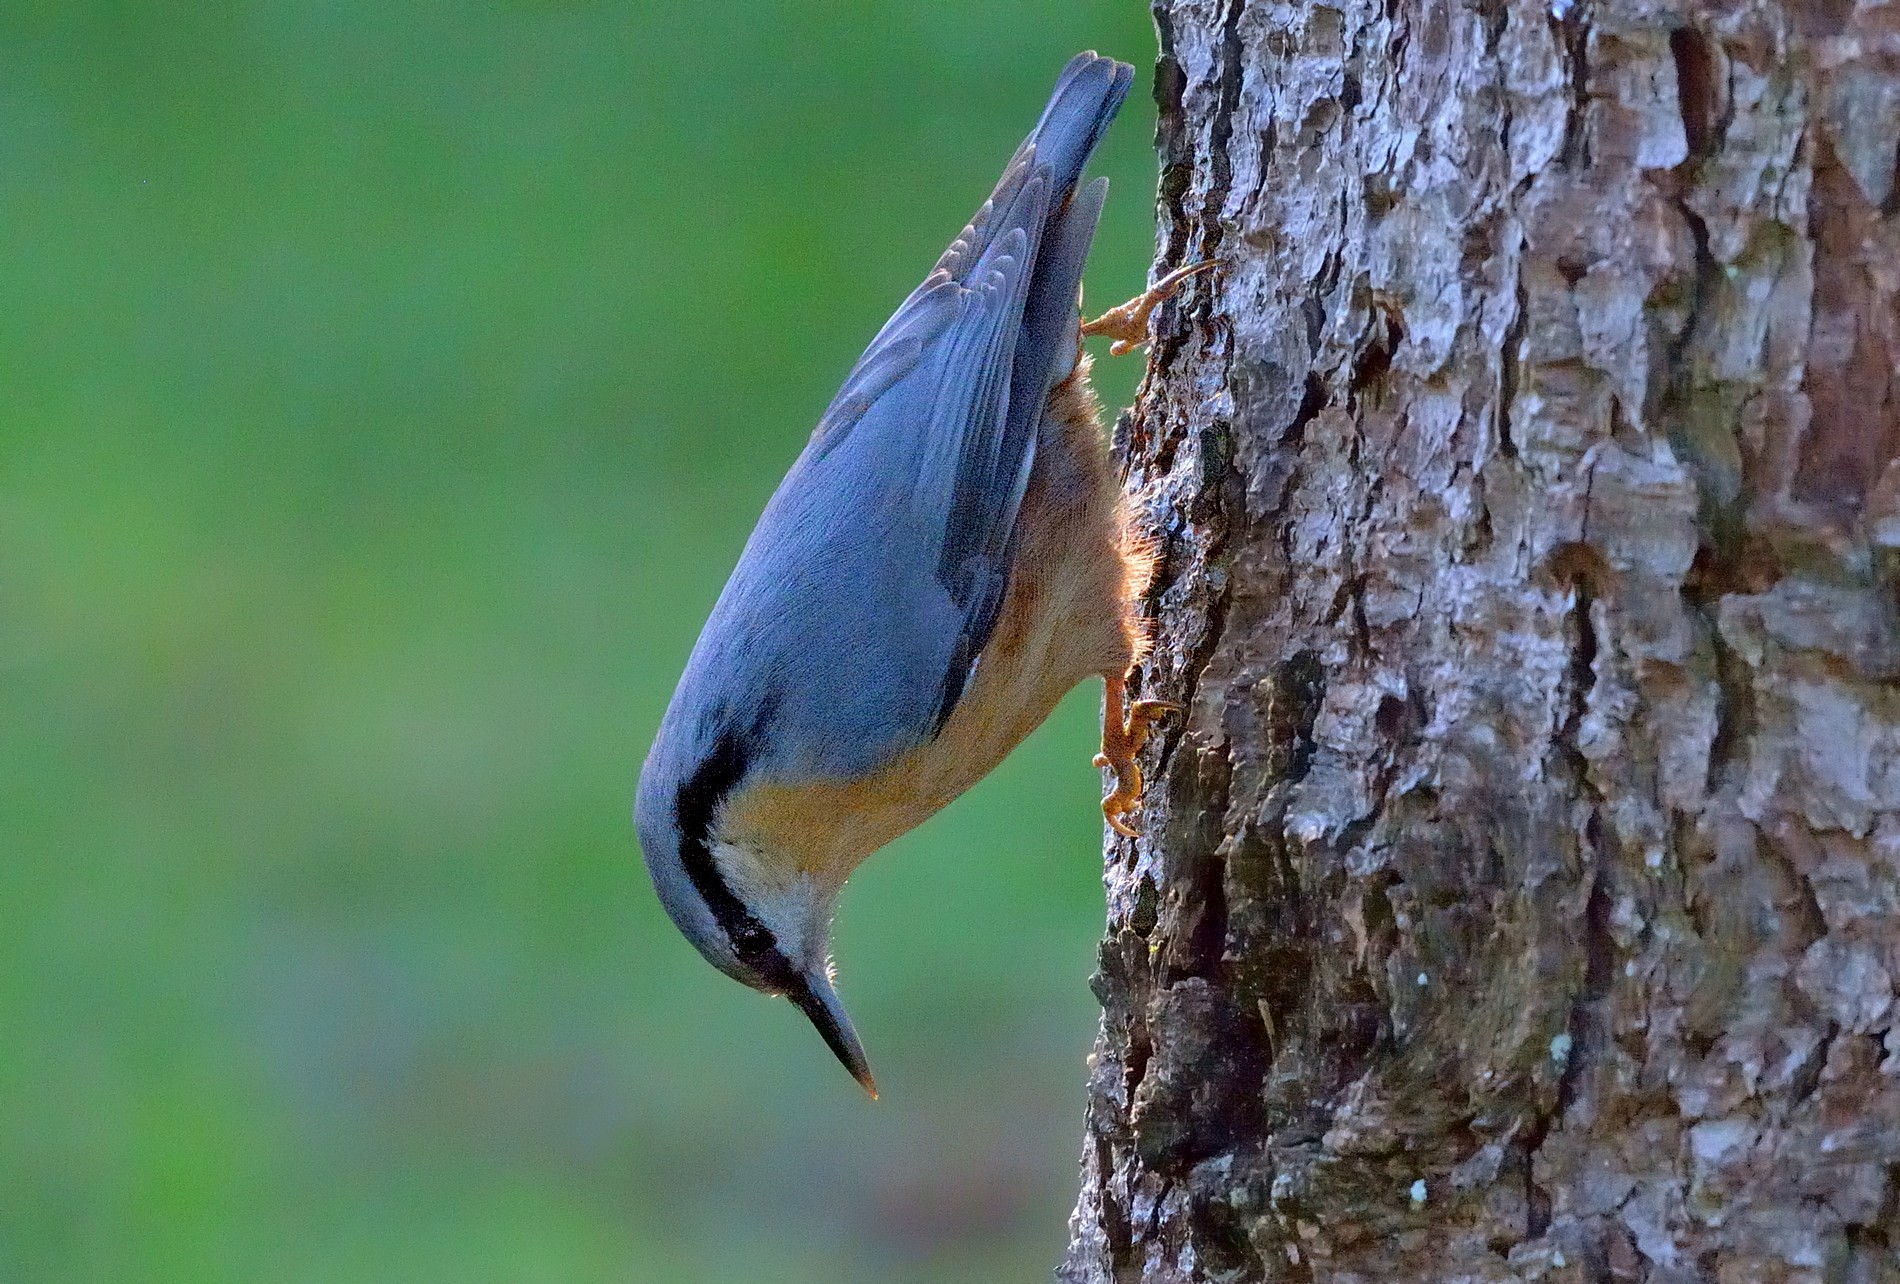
x=948, y=557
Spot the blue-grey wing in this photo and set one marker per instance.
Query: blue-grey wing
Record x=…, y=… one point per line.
x=979, y=548
x=874, y=578
x=838, y=626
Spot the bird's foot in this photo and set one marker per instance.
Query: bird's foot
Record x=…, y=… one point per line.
x=1127, y=325
x=1122, y=739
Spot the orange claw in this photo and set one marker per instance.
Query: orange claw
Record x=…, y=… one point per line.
x=1121, y=741
x=1127, y=325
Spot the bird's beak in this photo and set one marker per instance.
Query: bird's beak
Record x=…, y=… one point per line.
x=818, y=999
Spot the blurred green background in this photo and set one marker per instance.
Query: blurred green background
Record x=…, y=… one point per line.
x=387, y=391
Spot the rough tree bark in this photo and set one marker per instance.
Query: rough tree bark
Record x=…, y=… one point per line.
x=1521, y=891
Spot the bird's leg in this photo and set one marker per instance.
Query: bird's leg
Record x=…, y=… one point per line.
x=1122, y=738
x=1127, y=325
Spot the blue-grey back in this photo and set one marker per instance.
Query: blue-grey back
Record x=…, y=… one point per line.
x=873, y=579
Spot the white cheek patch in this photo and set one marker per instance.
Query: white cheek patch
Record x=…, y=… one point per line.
x=793, y=907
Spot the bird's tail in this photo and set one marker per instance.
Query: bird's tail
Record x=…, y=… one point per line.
x=1085, y=99
x=1087, y=95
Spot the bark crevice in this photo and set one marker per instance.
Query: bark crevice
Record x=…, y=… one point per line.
x=1520, y=891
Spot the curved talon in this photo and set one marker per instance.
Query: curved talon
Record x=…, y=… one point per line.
x=1124, y=798
x=1143, y=714
x=1127, y=324
x=1122, y=739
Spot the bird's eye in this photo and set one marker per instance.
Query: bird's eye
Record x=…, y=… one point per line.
x=752, y=942
x=756, y=947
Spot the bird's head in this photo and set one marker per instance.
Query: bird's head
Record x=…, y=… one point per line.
x=740, y=897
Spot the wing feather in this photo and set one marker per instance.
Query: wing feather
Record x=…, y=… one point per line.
x=873, y=579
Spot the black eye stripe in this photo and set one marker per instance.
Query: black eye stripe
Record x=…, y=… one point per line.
x=695, y=806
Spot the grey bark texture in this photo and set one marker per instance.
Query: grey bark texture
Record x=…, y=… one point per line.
x=1520, y=893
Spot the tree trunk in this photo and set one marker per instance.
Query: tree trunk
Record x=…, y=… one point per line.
x=1520, y=895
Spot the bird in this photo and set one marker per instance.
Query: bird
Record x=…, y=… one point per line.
x=948, y=556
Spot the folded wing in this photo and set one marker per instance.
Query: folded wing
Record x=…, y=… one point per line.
x=875, y=575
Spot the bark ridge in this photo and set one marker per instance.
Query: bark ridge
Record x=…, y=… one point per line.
x=1520, y=897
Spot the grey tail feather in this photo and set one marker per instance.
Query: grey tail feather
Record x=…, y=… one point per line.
x=1085, y=99
x=1087, y=95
